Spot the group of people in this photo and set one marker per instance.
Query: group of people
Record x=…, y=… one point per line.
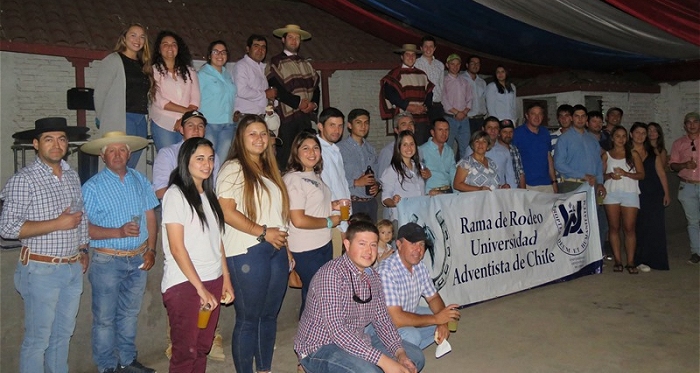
x=239, y=213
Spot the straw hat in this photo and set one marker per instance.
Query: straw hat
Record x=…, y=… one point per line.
x=292, y=28
x=94, y=147
x=408, y=48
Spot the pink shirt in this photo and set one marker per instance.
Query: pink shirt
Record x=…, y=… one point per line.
x=172, y=90
x=456, y=93
x=681, y=152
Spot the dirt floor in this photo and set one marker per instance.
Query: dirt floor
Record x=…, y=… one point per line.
x=613, y=322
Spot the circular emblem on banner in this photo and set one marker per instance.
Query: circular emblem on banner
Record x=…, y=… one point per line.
x=571, y=217
x=439, y=255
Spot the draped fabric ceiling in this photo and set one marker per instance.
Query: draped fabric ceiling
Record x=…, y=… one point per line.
x=599, y=35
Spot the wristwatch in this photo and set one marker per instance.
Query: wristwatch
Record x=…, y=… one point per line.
x=261, y=237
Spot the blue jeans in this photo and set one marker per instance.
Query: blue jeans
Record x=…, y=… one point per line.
x=136, y=125
x=307, y=264
x=221, y=135
x=602, y=226
x=117, y=291
x=459, y=131
x=163, y=138
x=51, y=294
x=689, y=196
x=421, y=337
x=259, y=278
x=332, y=359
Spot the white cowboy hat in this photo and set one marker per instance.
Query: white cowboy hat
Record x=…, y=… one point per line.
x=292, y=28
x=94, y=147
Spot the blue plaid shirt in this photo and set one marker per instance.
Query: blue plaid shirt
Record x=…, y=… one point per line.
x=36, y=194
x=110, y=203
x=403, y=288
x=517, y=163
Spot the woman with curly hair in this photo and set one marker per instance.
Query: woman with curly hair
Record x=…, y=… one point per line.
x=176, y=88
x=623, y=170
x=255, y=203
x=124, y=80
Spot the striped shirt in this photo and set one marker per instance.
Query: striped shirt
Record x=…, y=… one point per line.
x=332, y=316
x=111, y=203
x=36, y=194
x=517, y=163
x=403, y=288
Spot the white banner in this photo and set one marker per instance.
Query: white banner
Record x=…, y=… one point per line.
x=489, y=244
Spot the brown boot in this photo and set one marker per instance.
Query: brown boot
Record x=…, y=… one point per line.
x=217, y=348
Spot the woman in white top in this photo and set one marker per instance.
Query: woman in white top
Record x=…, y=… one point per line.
x=405, y=177
x=500, y=97
x=176, y=89
x=255, y=203
x=195, y=273
x=310, y=210
x=124, y=80
x=623, y=170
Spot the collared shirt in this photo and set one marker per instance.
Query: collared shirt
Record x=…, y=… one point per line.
x=384, y=159
x=34, y=193
x=251, y=83
x=332, y=316
x=681, y=152
x=535, y=149
x=501, y=105
x=111, y=202
x=166, y=162
x=356, y=158
x=478, y=85
x=435, y=70
x=175, y=90
x=442, y=166
x=577, y=154
x=392, y=184
x=217, y=93
x=500, y=155
x=402, y=287
x=333, y=174
x=456, y=94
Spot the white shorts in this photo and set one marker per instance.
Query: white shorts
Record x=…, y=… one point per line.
x=625, y=199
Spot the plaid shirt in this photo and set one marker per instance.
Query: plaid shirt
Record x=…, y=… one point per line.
x=332, y=316
x=111, y=203
x=517, y=163
x=403, y=288
x=36, y=194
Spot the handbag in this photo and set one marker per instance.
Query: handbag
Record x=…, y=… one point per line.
x=80, y=98
x=294, y=280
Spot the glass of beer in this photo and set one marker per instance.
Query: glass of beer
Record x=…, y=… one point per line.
x=452, y=325
x=204, y=314
x=344, y=209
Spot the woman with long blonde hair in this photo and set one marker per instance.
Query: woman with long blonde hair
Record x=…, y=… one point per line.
x=124, y=80
x=255, y=204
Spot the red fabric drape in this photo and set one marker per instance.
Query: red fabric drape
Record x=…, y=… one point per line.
x=680, y=18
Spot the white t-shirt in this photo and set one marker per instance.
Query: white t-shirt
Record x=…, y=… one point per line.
x=202, y=242
x=309, y=193
x=229, y=184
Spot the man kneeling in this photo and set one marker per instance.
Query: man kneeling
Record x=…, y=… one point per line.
x=345, y=296
x=405, y=279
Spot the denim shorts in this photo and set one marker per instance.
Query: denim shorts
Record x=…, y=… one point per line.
x=625, y=199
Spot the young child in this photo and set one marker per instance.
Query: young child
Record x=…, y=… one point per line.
x=386, y=236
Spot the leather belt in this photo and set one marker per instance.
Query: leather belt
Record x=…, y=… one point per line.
x=25, y=255
x=478, y=117
x=360, y=199
x=126, y=253
x=573, y=180
x=689, y=181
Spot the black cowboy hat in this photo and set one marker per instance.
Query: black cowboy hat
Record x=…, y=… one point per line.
x=52, y=124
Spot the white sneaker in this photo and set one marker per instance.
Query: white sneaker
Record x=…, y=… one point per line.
x=644, y=268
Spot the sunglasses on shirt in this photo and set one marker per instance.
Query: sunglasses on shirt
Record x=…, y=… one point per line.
x=356, y=298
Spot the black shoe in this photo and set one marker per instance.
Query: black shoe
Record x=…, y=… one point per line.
x=136, y=367
x=110, y=370
x=694, y=259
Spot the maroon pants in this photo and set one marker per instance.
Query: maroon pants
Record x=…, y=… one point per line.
x=190, y=344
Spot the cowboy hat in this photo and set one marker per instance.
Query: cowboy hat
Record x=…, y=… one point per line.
x=408, y=48
x=51, y=124
x=94, y=147
x=292, y=28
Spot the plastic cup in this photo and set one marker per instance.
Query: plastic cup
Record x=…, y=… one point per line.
x=203, y=318
x=452, y=325
x=344, y=209
x=599, y=199
x=136, y=219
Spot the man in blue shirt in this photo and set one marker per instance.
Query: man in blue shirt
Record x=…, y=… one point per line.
x=577, y=156
x=438, y=159
x=535, y=146
x=358, y=154
x=119, y=203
